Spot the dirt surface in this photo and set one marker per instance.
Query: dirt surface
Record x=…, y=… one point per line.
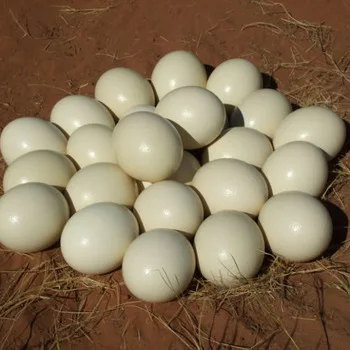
x=53, y=48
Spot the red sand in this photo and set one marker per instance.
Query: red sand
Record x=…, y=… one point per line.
x=49, y=50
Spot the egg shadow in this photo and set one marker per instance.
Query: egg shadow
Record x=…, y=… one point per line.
x=340, y=228
x=269, y=81
x=208, y=69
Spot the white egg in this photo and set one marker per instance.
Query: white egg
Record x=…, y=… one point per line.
x=147, y=146
x=48, y=167
x=32, y=217
x=96, y=238
x=159, y=265
x=317, y=125
x=187, y=169
x=233, y=80
x=230, y=184
x=101, y=182
x=140, y=108
x=178, y=69
x=241, y=143
x=297, y=166
x=91, y=144
x=121, y=89
x=27, y=134
x=198, y=115
x=230, y=248
x=169, y=204
x=297, y=226
x=74, y=111
x=262, y=110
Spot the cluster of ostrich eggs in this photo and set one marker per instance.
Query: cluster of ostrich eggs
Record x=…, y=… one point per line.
x=166, y=177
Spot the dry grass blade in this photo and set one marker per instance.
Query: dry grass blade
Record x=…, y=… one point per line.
x=87, y=11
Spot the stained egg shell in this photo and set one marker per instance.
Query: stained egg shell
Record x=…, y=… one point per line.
x=74, y=111
x=178, y=69
x=197, y=113
x=159, y=265
x=229, y=247
x=297, y=226
x=317, y=125
x=121, y=89
x=96, y=238
x=27, y=134
x=44, y=166
x=147, y=146
x=32, y=217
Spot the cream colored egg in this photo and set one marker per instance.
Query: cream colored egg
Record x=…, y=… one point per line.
x=198, y=115
x=169, y=204
x=74, y=111
x=240, y=143
x=230, y=184
x=140, y=108
x=233, y=80
x=147, y=146
x=96, y=238
x=262, y=110
x=317, y=125
x=178, y=69
x=187, y=169
x=48, y=167
x=159, y=265
x=91, y=144
x=297, y=226
x=297, y=166
x=101, y=182
x=32, y=217
x=143, y=185
x=230, y=248
x=27, y=134
x=121, y=89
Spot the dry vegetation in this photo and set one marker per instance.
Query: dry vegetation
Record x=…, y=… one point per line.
x=49, y=284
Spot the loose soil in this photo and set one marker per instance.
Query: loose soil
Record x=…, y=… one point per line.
x=52, y=48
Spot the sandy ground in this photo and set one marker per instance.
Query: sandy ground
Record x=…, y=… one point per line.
x=53, y=48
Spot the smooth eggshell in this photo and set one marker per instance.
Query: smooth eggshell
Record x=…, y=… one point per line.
x=74, y=111
x=262, y=110
x=147, y=146
x=233, y=80
x=159, y=265
x=101, y=182
x=187, y=169
x=197, y=113
x=241, y=143
x=96, y=238
x=140, y=108
x=178, y=69
x=121, y=89
x=169, y=204
x=48, y=167
x=297, y=226
x=32, y=217
x=91, y=144
x=230, y=184
x=229, y=247
x=29, y=134
x=297, y=166
x=317, y=125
